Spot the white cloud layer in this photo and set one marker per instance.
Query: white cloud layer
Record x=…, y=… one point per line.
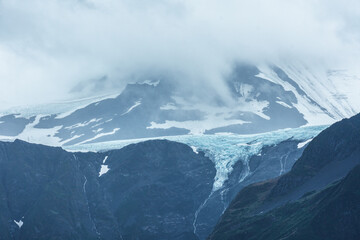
x=48, y=47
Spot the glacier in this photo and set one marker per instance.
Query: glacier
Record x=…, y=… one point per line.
x=223, y=150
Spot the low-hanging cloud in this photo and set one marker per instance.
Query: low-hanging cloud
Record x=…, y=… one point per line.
x=48, y=48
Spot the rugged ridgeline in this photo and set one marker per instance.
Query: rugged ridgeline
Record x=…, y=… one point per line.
x=257, y=99
x=317, y=209
x=332, y=213
x=150, y=192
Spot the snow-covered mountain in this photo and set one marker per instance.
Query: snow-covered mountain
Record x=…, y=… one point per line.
x=239, y=160
x=262, y=99
x=156, y=189
x=254, y=133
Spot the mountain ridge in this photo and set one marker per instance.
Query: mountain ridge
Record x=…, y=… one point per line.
x=263, y=99
x=328, y=158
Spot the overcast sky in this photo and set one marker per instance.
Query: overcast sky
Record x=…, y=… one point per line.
x=50, y=49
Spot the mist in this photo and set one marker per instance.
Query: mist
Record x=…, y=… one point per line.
x=63, y=49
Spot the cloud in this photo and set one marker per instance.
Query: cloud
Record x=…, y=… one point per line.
x=48, y=48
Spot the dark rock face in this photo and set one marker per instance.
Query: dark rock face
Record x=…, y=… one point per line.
x=156, y=199
x=330, y=156
x=51, y=191
x=150, y=192
x=332, y=213
x=260, y=211
x=340, y=216
x=12, y=125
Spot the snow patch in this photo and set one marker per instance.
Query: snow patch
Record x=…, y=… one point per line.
x=283, y=104
x=104, y=169
x=77, y=125
x=6, y=138
x=194, y=149
x=62, y=109
x=97, y=130
x=100, y=135
x=132, y=107
x=44, y=136
x=213, y=116
x=197, y=127
x=19, y=223
x=72, y=138
x=151, y=82
x=302, y=144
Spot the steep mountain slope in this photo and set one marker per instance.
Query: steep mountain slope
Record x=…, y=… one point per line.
x=139, y=170
x=156, y=188
x=254, y=213
x=257, y=99
x=47, y=191
x=332, y=213
x=145, y=191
